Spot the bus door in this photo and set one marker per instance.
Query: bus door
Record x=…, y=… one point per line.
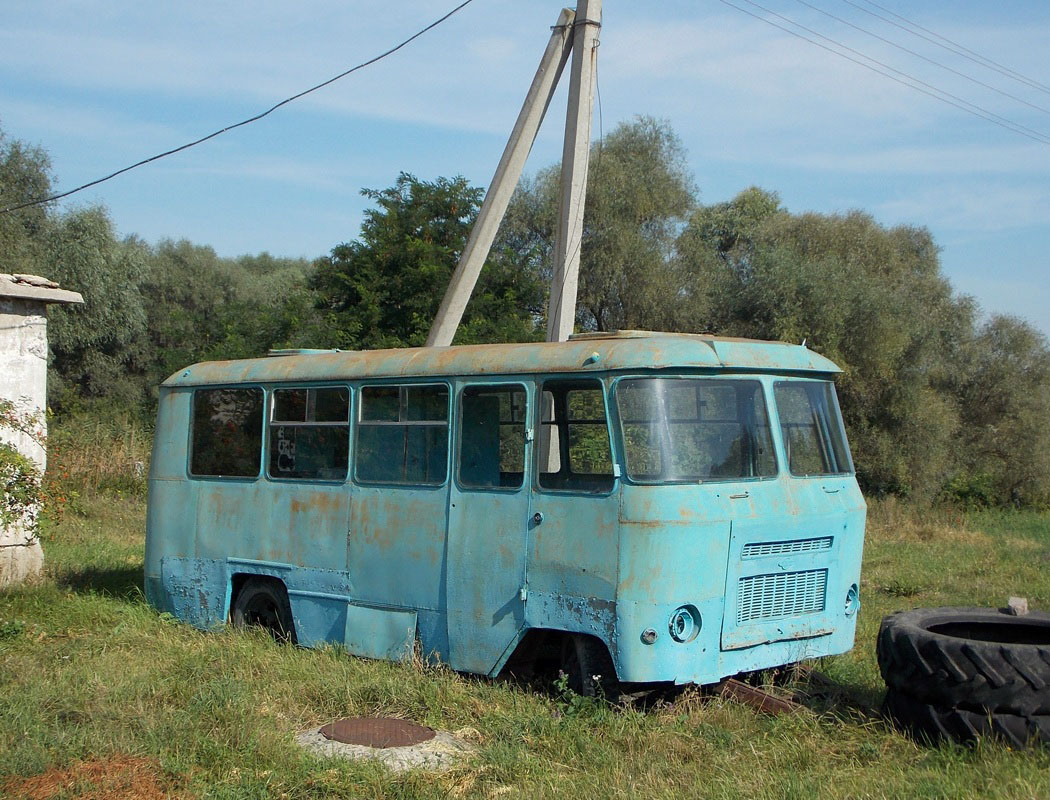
x=488, y=525
x=574, y=541
x=395, y=550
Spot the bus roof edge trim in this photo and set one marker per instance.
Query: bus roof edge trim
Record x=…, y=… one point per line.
x=634, y=350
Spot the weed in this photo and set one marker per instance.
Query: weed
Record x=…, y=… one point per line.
x=899, y=588
x=11, y=628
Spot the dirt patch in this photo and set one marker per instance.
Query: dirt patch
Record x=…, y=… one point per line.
x=119, y=777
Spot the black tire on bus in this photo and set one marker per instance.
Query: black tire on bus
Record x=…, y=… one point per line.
x=934, y=724
x=978, y=659
x=586, y=662
x=263, y=602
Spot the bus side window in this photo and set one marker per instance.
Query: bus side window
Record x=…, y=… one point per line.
x=811, y=425
x=402, y=435
x=492, y=437
x=227, y=433
x=575, y=454
x=309, y=433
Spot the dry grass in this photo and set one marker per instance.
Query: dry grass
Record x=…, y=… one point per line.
x=894, y=520
x=118, y=777
x=89, y=456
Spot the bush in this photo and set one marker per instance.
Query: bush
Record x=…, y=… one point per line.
x=20, y=478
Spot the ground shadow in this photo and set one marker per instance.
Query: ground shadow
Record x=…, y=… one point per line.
x=121, y=582
x=847, y=702
x=807, y=687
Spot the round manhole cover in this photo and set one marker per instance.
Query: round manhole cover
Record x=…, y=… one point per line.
x=376, y=732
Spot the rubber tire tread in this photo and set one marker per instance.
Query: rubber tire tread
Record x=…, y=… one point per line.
x=277, y=594
x=934, y=724
x=583, y=657
x=956, y=672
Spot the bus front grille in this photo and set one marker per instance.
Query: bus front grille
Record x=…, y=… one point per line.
x=785, y=594
x=792, y=547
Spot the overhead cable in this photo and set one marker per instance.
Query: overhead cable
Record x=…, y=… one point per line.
x=906, y=80
x=949, y=45
x=924, y=58
x=257, y=117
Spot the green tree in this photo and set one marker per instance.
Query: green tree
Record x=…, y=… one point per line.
x=870, y=298
x=639, y=196
x=99, y=349
x=383, y=290
x=203, y=307
x=186, y=291
x=24, y=176
x=1005, y=404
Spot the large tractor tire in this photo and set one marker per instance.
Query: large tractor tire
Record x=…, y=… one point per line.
x=936, y=723
x=977, y=659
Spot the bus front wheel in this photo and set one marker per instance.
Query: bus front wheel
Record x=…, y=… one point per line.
x=586, y=663
x=264, y=604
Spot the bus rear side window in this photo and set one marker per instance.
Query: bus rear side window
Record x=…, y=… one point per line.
x=310, y=433
x=227, y=433
x=402, y=435
x=812, y=428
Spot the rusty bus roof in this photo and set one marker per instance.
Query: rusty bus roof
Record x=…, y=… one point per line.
x=617, y=351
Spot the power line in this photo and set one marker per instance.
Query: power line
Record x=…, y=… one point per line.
x=941, y=93
x=931, y=91
x=949, y=45
x=924, y=58
x=257, y=117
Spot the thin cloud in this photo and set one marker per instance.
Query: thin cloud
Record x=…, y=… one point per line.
x=985, y=206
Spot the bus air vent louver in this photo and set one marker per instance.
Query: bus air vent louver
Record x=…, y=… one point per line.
x=759, y=549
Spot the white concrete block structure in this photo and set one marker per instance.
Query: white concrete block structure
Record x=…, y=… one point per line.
x=23, y=381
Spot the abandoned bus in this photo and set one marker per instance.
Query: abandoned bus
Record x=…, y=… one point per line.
x=632, y=506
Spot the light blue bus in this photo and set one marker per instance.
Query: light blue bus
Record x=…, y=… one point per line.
x=631, y=507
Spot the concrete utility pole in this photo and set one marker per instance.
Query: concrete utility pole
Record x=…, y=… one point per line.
x=504, y=181
x=561, y=311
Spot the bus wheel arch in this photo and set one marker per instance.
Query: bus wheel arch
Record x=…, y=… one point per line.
x=260, y=600
x=588, y=667
x=545, y=652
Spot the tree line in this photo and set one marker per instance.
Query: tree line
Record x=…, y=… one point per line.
x=939, y=401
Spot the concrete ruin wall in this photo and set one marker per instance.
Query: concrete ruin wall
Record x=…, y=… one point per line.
x=23, y=380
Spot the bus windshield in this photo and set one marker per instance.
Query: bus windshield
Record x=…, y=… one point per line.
x=678, y=430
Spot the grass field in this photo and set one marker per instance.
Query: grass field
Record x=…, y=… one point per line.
x=102, y=697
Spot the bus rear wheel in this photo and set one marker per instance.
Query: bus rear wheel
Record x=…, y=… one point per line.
x=586, y=663
x=264, y=604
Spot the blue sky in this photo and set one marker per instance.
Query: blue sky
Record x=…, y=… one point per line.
x=100, y=85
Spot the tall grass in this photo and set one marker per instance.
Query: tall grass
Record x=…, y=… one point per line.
x=89, y=455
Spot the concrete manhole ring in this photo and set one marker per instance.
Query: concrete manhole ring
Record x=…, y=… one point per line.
x=398, y=743
x=379, y=732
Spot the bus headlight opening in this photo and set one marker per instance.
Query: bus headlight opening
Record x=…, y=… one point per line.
x=684, y=624
x=852, y=600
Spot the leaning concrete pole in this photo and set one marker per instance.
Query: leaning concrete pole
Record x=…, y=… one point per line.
x=561, y=311
x=503, y=182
